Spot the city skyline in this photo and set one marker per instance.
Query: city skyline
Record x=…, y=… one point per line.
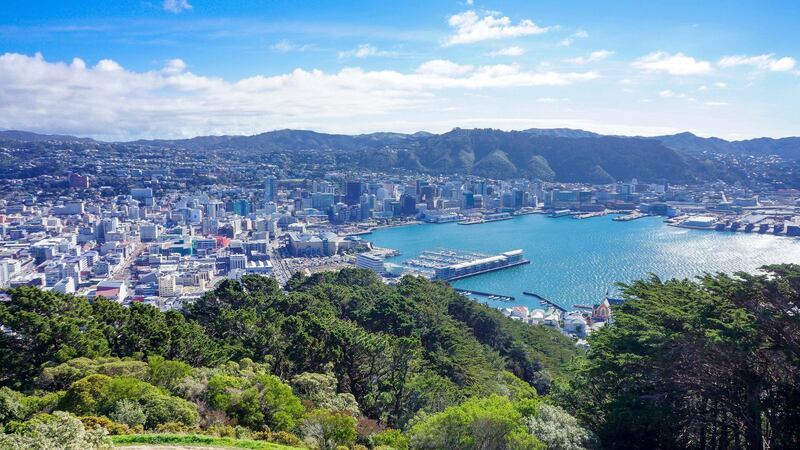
x=185, y=68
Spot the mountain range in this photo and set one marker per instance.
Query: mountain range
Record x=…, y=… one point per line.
x=560, y=154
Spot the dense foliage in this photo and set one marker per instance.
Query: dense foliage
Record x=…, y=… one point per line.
x=342, y=360
x=338, y=358
x=713, y=364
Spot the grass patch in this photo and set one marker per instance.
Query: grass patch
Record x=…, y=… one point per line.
x=195, y=439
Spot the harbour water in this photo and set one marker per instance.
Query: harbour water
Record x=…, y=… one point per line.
x=577, y=261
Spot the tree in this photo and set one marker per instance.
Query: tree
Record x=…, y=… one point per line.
x=558, y=430
x=319, y=389
x=44, y=326
x=327, y=430
x=707, y=364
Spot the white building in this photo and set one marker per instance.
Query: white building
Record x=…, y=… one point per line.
x=167, y=286
x=370, y=261
x=65, y=286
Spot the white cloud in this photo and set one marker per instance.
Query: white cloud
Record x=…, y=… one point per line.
x=595, y=56
x=666, y=93
x=176, y=6
x=549, y=100
x=444, y=67
x=720, y=85
x=109, y=100
x=363, y=51
x=285, y=46
x=172, y=66
x=579, y=34
x=677, y=64
x=760, y=62
x=470, y=27
x=716, y=103
x=508, y=51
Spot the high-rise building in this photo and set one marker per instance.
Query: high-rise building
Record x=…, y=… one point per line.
x=468, y=201
x=270, y=189
x=409, y=204
x=241, y=207
x=353, y=191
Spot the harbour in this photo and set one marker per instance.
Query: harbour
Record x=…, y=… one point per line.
x=575, y=262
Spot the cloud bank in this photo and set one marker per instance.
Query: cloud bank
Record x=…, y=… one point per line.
x=108, y=100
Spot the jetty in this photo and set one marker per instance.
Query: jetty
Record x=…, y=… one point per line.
x=498, y=297
x=546, y=301
x=632, y=216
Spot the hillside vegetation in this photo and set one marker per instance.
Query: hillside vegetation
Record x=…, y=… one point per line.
x=340, y=360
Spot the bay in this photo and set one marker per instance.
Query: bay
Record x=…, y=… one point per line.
x=578, y=261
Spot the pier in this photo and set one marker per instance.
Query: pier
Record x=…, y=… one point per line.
x=498, y=297
x=589, y=215
x=632, y=216
x=546, y=301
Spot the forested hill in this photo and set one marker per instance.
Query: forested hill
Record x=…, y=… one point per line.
x=552, y=155
x=558, y=155
x=341, y=360
x=252, y=355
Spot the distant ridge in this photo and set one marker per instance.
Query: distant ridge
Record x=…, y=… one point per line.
x=559, y=154
x=27, y=136
x=687, y=142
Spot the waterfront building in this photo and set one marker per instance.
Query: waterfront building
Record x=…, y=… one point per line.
x=700, y=222
x=480, y=265
x=370, y=261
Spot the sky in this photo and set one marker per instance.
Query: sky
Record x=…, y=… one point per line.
x=132, y=69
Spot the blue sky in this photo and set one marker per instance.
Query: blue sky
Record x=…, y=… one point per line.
x=176, y=68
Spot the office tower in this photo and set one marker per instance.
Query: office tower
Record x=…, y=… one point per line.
x=353, y=191
x=270, y=189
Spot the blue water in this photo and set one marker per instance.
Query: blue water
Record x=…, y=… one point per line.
x=577, y=261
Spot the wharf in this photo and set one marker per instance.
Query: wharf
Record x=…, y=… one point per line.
x=546, y=301
x=498, y=297
x=589, y=215
x=632, y=216
x=492, y=269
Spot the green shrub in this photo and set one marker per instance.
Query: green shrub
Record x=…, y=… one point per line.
x=11, y=407
x=166, y=373
x=285, y=438
x=113, y=428
x=59, y=430
x=390, y=438
x=256, y=401
x=99, y=395
x=173, y=427
x=222, y=430
x=129, y=413
x=475, y=424
x=327, y=430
